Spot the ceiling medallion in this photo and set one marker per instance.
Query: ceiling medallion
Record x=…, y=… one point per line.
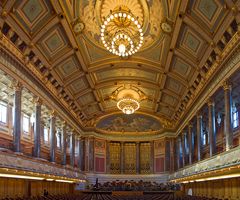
x=121, y=32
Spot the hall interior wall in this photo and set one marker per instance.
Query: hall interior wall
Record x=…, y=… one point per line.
x=222, y=188
x=11, y=187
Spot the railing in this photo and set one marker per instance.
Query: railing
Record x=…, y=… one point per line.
x=222, y=160
x=22, y=162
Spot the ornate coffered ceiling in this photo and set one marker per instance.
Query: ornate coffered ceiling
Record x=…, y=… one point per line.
x=182, y=40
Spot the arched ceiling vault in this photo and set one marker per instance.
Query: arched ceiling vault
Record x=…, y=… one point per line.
x=182, y=41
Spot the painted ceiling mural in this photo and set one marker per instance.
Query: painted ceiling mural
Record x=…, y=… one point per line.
x=184, y=43
x=129, y=123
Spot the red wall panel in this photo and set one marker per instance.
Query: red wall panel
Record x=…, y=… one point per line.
x=99, y=164
x=159, y=164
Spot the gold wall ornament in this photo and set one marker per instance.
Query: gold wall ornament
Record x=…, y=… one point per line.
x=114, y=149
x=121, y=32
x=130, y=158
x=166, y=27
x=78, y=26
x=145, y=158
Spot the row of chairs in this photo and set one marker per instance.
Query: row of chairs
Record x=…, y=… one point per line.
x=102, y=196
x=196, y=198
x=97, y=196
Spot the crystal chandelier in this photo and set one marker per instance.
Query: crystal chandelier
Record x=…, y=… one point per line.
x=128, y=105
x=121, y=32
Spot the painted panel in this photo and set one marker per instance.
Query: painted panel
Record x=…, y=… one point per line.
x=100, y=147
x=159, y=147
x=129, y=123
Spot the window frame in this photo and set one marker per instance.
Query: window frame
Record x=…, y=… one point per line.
x=26, y=133
x=4, y=104
x=45, y=141
x=235, y=113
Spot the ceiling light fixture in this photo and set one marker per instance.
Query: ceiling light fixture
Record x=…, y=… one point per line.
x=121, y=32
x=128, y=105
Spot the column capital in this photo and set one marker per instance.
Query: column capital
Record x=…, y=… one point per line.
x=17, y=86
x=210, y=102
x=91, y=138
x=64, y=124
x=227, y=85
x=53, y=113
x=190, y=125
x=79, y=137
x=38, y=101
x=199, y=115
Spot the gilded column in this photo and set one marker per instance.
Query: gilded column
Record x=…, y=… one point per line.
x=183, y=148
x=177, y=146
x=228, y=115
x=122, y=157
x=86, y=154
x=107, y=157
x=72, y=148
x=152, y=157
x=199, y=136
x=17, y=117
x=52, y=137
x=172, y=161
x=82, y=154
x=137, y=157
x=180, y=155
x=190, y=142
x=79, y=152
x=211, y=127
x=37, y=129
x=64, y=144
x=91, y=154
x=167, y=154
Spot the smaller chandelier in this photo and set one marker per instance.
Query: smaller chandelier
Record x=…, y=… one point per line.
x=121, y=32
x=128, y=105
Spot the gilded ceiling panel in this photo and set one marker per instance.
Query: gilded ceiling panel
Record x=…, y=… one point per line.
x=86, y=99
x=208, y=13
x=79, y=85
x=32, y=14
x=174, y=85
x=68, y=67
x=168, y=99
x=54, y=43
x=114, y=74
x=181, y=67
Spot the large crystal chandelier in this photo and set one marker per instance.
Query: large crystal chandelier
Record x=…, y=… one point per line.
x=128, y=105
x=121, y=32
